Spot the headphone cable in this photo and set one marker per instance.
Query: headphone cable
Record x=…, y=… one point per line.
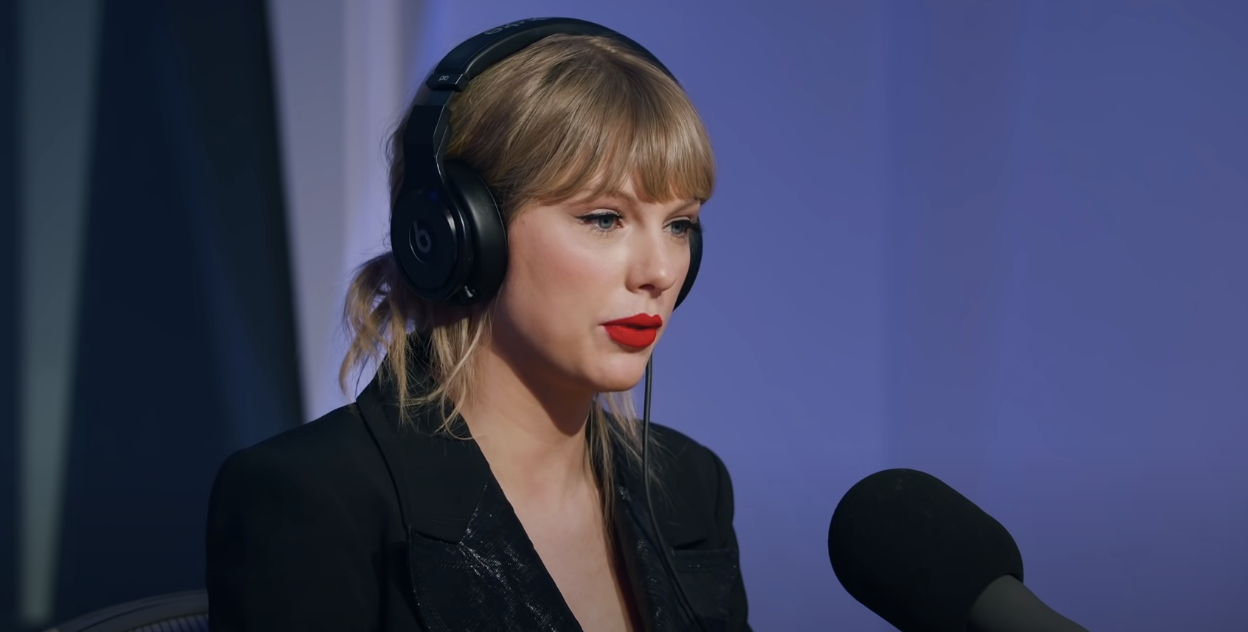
x=664, y=554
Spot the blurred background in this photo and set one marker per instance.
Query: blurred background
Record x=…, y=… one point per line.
x=1004, y=242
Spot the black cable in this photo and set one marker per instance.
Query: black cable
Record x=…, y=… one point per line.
x=664, y=554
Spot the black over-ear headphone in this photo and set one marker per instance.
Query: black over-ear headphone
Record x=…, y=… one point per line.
x=446, y=231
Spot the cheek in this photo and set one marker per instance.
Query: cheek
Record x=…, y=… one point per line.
x=560, y=269
x=556, y=281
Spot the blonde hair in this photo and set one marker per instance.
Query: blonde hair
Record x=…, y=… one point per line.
x=568, y=115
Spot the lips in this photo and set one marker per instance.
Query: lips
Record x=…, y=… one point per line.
x=639, y=331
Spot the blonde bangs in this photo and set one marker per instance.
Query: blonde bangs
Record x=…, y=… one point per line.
x=584, y=125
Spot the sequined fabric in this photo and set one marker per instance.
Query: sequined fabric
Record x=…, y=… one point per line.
x=492, y=579
x=706, y=575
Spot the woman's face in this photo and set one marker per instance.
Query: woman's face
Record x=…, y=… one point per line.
x=577, y=267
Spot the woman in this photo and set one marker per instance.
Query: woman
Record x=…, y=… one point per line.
x=490, y=476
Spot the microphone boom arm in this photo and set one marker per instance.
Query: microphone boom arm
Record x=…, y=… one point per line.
x=1006, y=605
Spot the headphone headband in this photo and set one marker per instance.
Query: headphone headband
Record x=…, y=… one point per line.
x=472, y=57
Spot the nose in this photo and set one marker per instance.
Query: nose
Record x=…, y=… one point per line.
x=659, y=261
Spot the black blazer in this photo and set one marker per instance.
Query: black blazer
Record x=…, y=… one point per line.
x=351, y=523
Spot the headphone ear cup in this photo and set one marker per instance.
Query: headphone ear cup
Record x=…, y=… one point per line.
x=426, y=242
x=695, y=262
x=485, y=229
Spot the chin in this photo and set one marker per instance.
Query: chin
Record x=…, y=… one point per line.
x=619, y=373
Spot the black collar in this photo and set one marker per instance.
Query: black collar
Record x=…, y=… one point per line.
x=441, y=479
x=468, y=554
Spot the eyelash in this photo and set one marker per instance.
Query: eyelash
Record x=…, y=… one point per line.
x=691, y=226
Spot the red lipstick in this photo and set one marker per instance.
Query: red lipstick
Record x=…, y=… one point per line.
x=639, y=331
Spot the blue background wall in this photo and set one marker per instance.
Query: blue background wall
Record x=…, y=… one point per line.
x=1002, y=242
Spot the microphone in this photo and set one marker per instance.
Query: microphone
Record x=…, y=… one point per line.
x=927, y=559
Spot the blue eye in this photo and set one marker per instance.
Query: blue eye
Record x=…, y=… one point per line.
x=601, y=222
x=683, y=227
x=605, y=222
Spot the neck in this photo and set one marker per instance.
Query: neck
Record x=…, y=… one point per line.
x=532, y=435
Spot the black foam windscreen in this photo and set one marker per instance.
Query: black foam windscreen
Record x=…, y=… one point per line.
x=916, y=552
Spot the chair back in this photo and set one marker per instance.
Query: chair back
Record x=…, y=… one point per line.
x=175, y=612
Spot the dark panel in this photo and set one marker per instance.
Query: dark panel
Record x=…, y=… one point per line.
x=9, y=314
x=228, y=102
x=186, y=337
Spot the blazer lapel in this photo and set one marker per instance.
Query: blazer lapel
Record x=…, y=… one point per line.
x=473, y=567
x=706, y=575
x=490, y=579
x=471, y=564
